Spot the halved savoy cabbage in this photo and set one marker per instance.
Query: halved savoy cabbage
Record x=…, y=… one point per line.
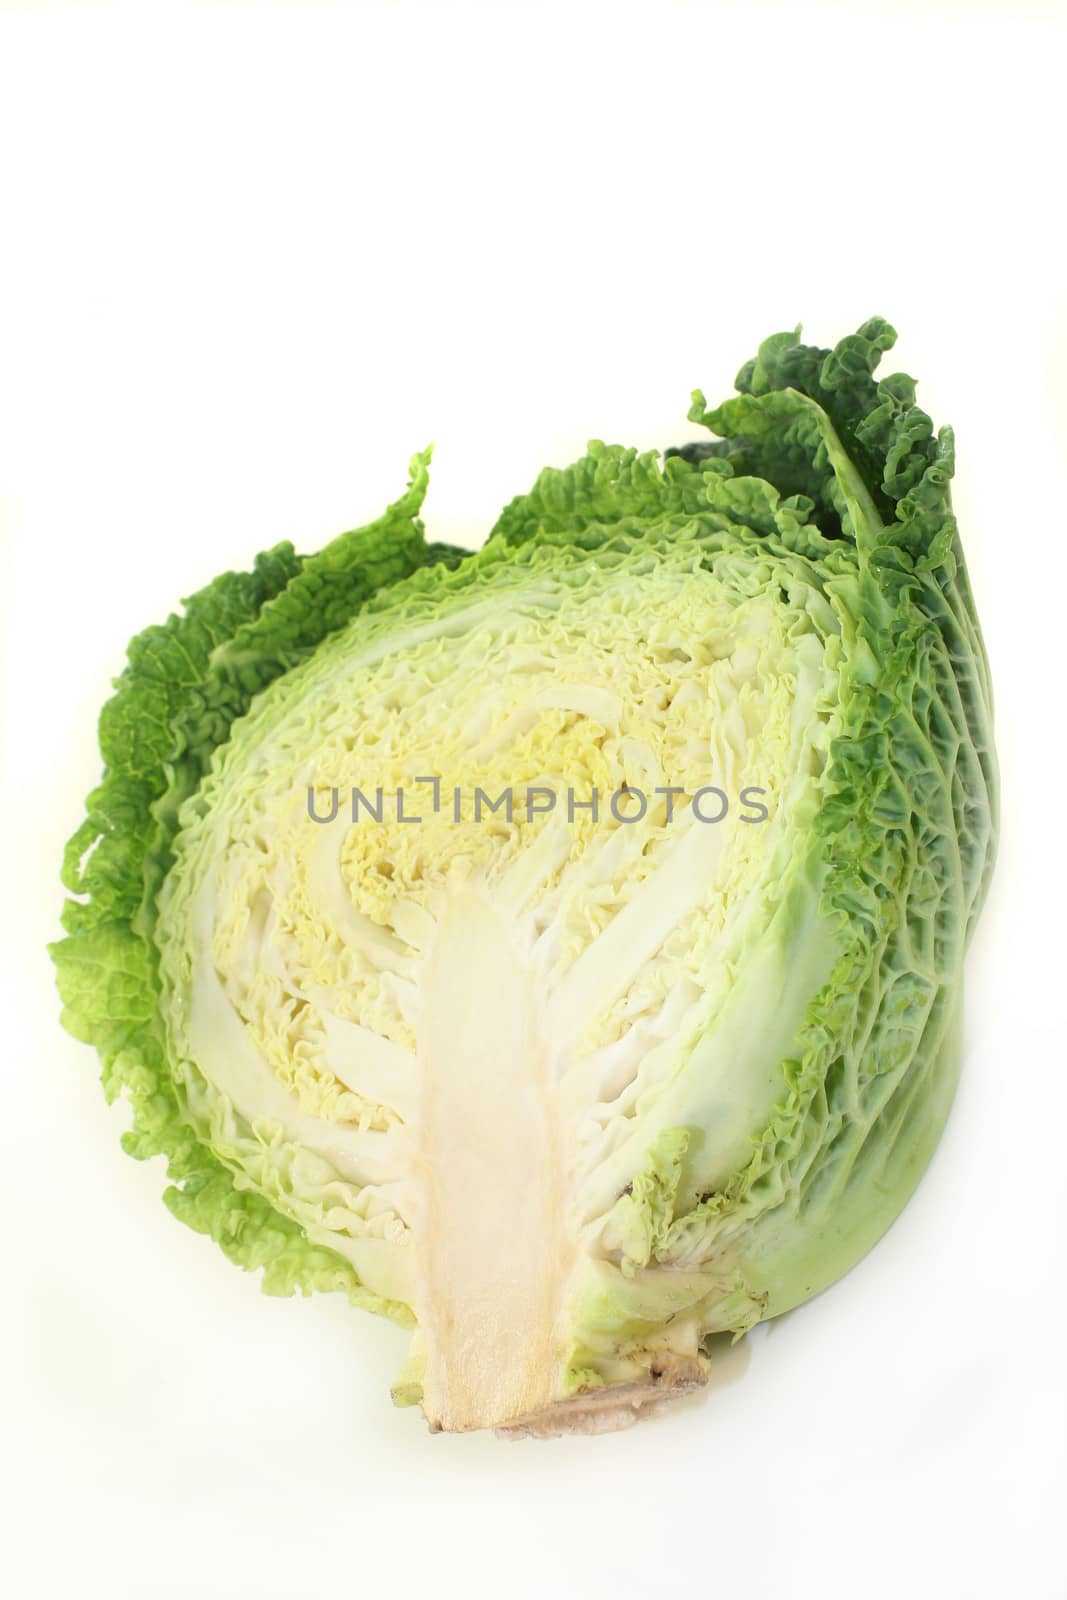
x=568, y=1090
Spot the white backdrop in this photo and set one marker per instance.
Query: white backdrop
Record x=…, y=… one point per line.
x=253, y=257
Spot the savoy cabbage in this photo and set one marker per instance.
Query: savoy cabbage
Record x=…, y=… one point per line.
x=572, y=1084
